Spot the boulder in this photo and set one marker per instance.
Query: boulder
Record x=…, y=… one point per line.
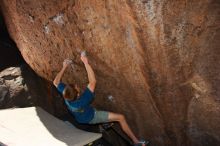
x=157, y=62
x=13, y=89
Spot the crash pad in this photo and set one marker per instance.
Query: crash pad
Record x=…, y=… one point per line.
x=36, y=127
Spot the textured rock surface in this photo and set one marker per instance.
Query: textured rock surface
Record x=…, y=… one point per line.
x=14, y=88
x=156, y=61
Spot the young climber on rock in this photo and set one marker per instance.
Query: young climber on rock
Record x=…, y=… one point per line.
x=79, y=104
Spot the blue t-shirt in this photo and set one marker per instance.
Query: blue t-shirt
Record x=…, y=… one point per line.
x=80, y=107
x=61, y=87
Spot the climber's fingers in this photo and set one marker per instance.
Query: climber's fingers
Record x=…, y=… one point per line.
x=83, y=54
x=67, y=62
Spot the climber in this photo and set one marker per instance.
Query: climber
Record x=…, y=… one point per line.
x=79, y=103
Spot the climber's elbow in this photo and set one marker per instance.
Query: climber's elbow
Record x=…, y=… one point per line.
x=92, y=85
x=55, y=82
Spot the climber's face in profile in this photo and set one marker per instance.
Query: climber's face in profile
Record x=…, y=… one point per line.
x=71, y=92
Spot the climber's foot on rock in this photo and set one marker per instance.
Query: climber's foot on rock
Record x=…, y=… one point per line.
x=142, y=143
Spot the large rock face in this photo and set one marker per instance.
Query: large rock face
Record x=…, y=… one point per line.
x=157, y=62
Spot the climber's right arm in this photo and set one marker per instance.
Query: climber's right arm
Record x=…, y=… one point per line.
x=59, y=76
x=90, y=73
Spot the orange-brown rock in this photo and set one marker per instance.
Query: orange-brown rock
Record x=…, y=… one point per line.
x=157, y=62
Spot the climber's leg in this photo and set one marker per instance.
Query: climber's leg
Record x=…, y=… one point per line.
x=121, y=119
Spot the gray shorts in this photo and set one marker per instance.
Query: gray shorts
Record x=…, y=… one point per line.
x=99, y=117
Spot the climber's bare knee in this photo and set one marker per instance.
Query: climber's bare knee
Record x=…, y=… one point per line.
x=115, y=117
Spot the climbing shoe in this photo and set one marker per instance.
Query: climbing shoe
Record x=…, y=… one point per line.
x=141, y=142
